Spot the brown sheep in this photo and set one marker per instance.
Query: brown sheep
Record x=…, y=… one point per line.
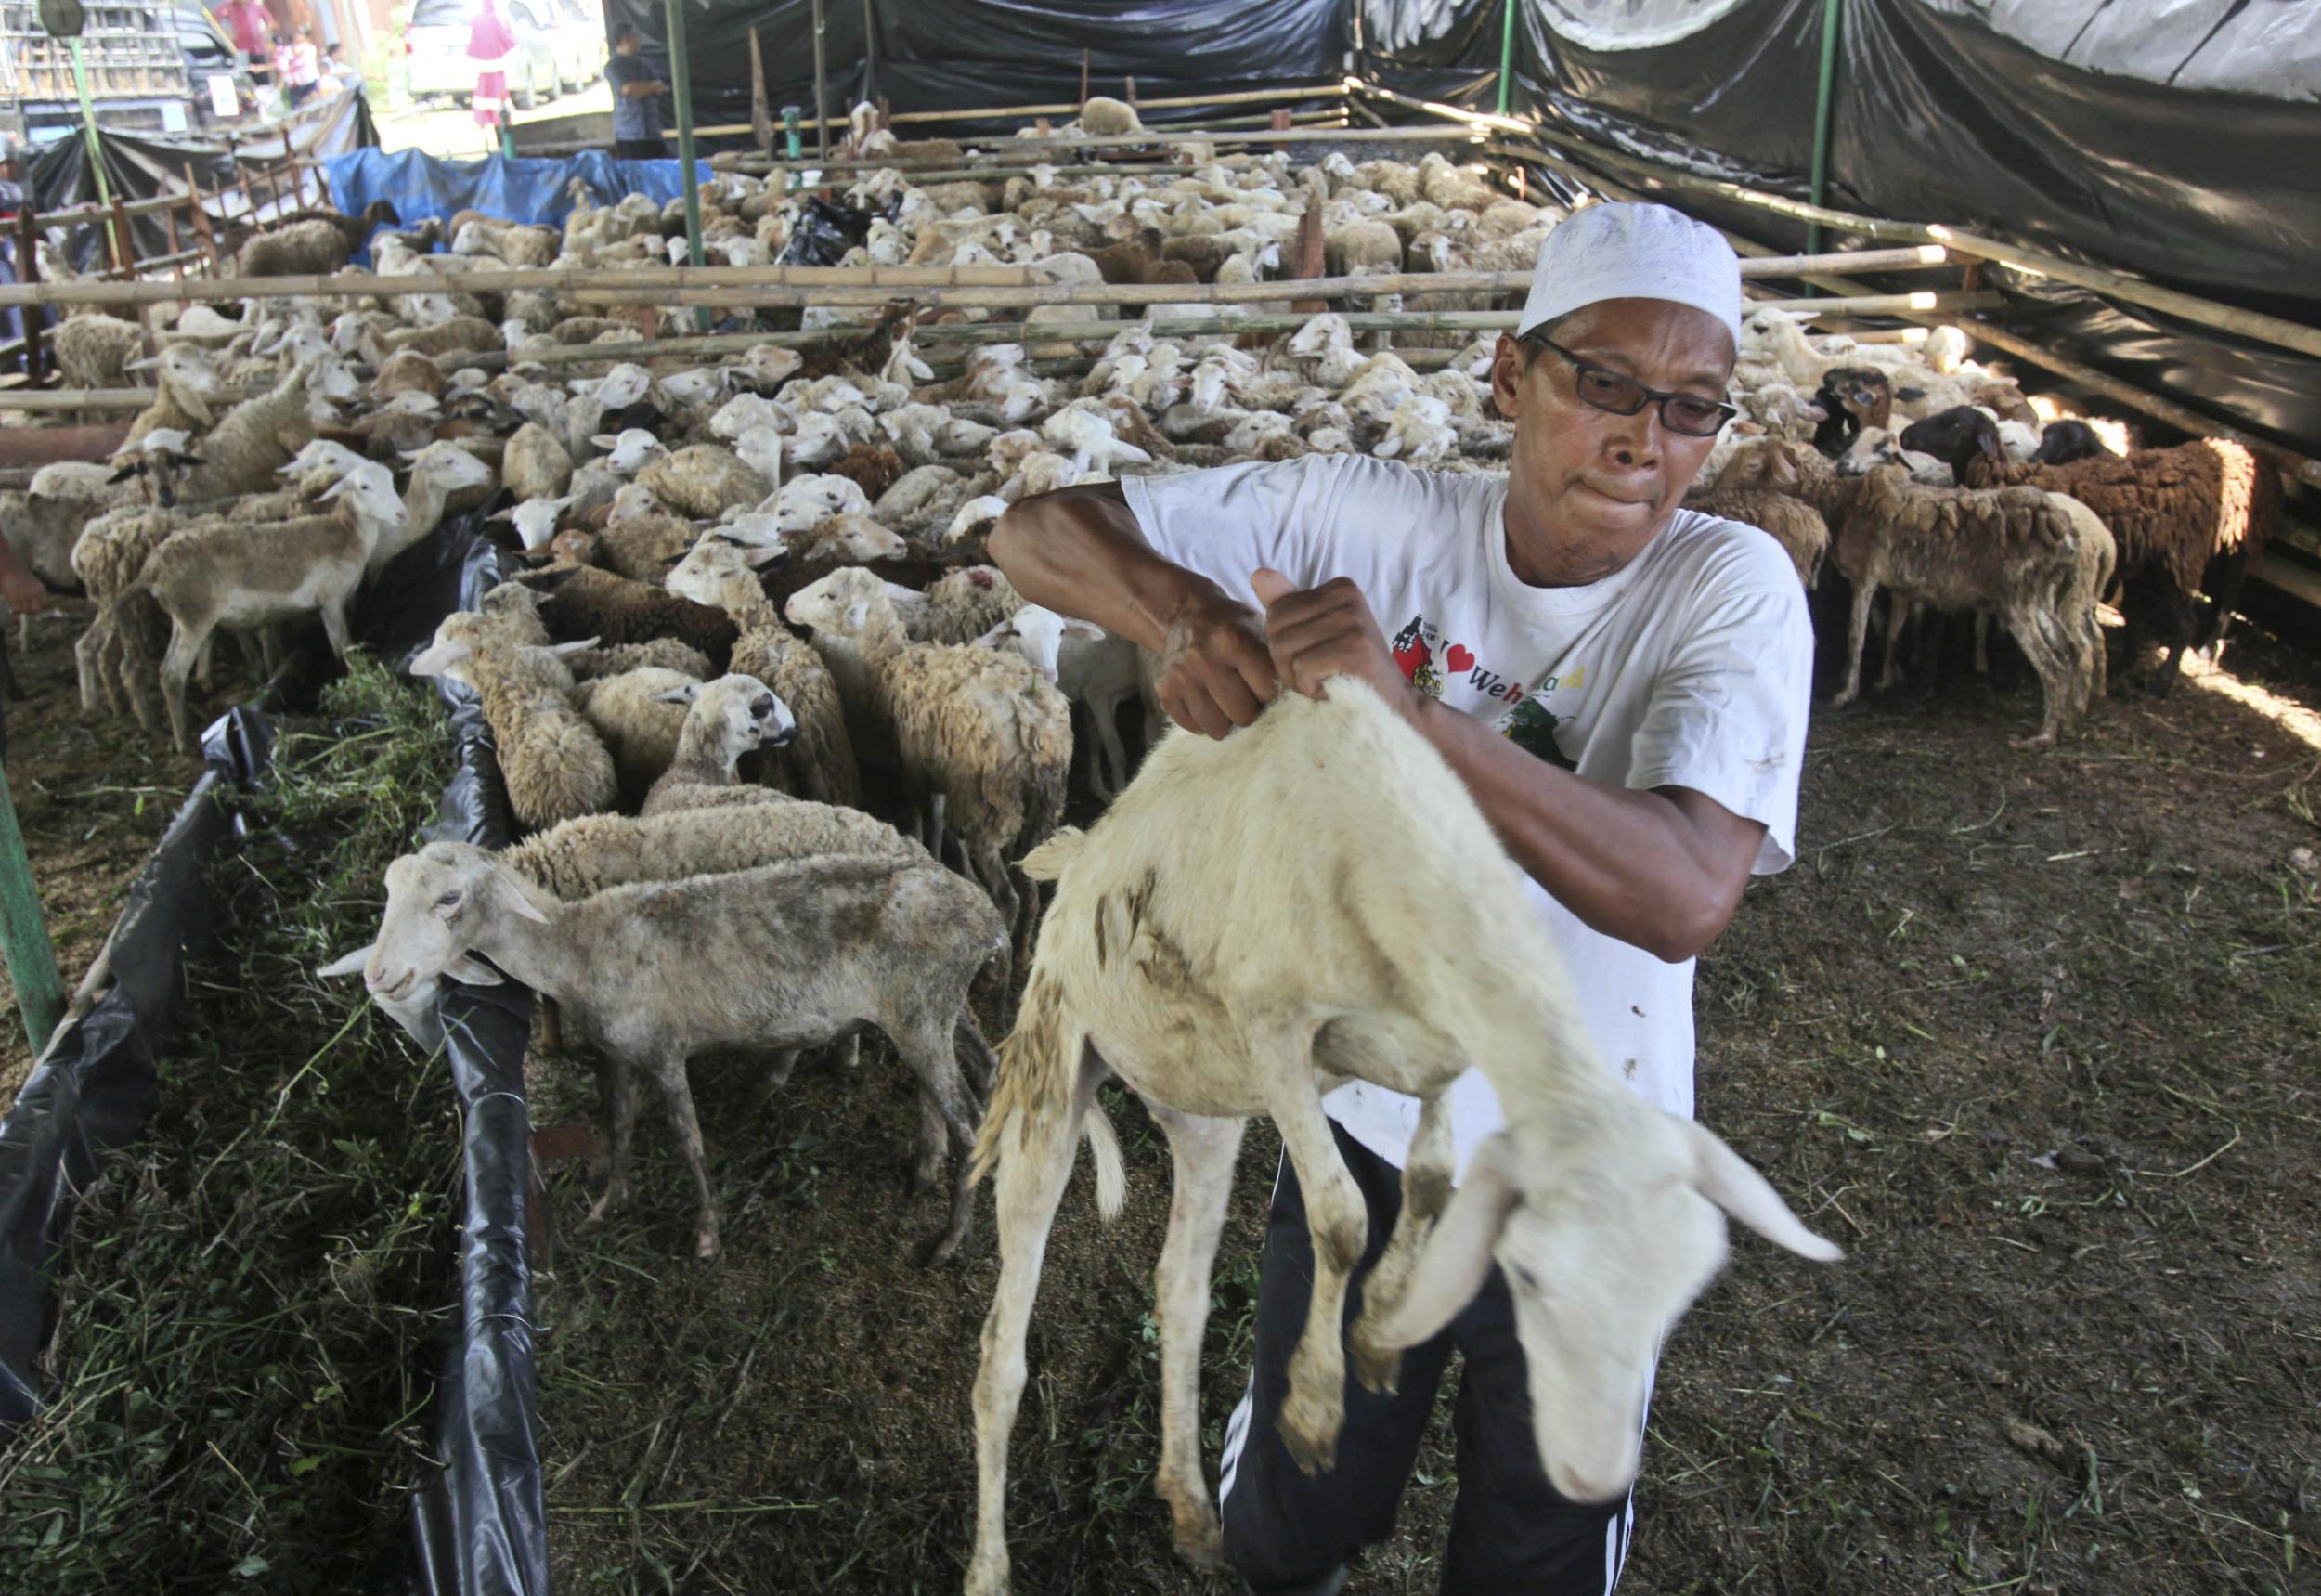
x=2033, y=557
x=2186, y=519
x=1789, y=521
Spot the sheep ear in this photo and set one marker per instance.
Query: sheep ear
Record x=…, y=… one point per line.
x=1088, y=631
x=1725, y=1178
x=685, y=694
x=566, y=649
x=469, y=970
x=996, y=636
x=142, y=364
x=1455, y=1254
x=436, y=658
x=346, y=964
x=511, y=897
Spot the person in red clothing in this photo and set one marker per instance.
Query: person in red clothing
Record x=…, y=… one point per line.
x=248, y=23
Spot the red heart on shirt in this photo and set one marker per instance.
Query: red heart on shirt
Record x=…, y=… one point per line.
x=1460, y=658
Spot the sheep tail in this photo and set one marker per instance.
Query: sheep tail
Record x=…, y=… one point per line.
x=1039, y=1090
x=1104, y=1148
x=1051, y=859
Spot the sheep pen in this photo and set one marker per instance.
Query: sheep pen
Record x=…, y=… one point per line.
x=2029, y=1034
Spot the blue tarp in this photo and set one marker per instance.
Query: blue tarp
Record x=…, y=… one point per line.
x=419, y=186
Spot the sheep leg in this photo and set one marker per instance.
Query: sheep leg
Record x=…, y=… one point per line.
x=2056, y=688
x=88, y=651
x=678, y=1094
x=1857, y=633
x=777, y=1076
x=1426, y=1187
x=1113, y=751
x=966, y=1040
x=1899, y=609
x=1982, y=642
x=1029, y=1183
x=185, y=648
x=930, y=1052
x=624, y=1092
x=334, y=625
x=1203, y=1151
x=1339, y=1228
x=927, y=1153
x=205, y=665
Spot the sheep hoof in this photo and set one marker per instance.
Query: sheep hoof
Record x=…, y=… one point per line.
x=707, y=1247
x=1309, y=1430
x=613, y=1200
x=1199, y=1540
x=1378, y=1368
x=988, y=1576
x=2037, y=740
x=940, y=1250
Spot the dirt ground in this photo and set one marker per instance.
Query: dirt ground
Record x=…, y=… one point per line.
x=93, y=796
x=2034, y=1034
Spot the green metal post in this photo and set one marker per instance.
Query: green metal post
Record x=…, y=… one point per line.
x=1832, y=14
x=96, y=150
x=23, y=934
x=794, y=145
x=1507, y=55
x=681, y=90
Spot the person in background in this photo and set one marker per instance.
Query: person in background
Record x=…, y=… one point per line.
x=249, y=26
x=637, y=92
x=489, y=44
x=302, y=74
x=336, y=74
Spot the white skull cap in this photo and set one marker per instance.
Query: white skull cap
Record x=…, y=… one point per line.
x=1634, y=252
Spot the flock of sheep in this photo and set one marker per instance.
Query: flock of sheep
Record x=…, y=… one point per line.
x=752, y=610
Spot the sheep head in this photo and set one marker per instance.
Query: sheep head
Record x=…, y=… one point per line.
x=739, y=714
x=1606, y=1233
x=440, y=902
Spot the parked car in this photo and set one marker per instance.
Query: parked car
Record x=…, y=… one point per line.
x=558, y=48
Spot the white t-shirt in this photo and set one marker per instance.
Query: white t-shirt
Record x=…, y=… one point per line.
x=1689, y=666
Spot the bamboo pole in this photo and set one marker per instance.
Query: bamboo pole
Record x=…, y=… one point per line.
x=23, y=932
x=2303, y=467
x=822, y=83
x=2191, y=307
x=899, y=280
x=1266, y=136
x=28, y=272
x=1924, y=301
x=1027, y=112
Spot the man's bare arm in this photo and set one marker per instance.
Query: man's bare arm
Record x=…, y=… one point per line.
x=1662, y=870
x=1079, y=552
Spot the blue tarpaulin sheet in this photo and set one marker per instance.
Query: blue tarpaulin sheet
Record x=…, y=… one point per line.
x=419, y=186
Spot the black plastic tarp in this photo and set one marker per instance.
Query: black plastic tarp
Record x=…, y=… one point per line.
x=2175, y=141
x=969, y=54
x=140, y=167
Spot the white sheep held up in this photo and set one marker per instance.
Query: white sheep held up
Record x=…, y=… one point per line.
x=1335, y=963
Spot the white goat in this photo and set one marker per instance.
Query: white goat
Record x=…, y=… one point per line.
x=1231, y=941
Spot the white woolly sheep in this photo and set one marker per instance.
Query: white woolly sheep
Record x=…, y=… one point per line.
x=724, y=720
x=984, y=743
x=1338, y=970
x=771, y=959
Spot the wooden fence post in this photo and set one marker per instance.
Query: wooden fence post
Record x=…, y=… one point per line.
x=28, y=272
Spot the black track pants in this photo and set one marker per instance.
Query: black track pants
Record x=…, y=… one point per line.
x=1511, y=1534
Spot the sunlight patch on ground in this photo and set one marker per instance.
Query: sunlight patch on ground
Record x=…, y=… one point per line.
x=2297, y=719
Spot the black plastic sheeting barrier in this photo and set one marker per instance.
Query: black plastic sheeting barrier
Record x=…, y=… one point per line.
x=141, y=167
x=1938, y=116
x=969, y=54
x=478, y=1527
x=94, y=1088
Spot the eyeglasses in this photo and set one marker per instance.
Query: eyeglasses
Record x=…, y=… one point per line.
x=1624, y=396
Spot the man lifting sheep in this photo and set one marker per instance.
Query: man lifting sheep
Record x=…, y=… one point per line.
x=1623, y=687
